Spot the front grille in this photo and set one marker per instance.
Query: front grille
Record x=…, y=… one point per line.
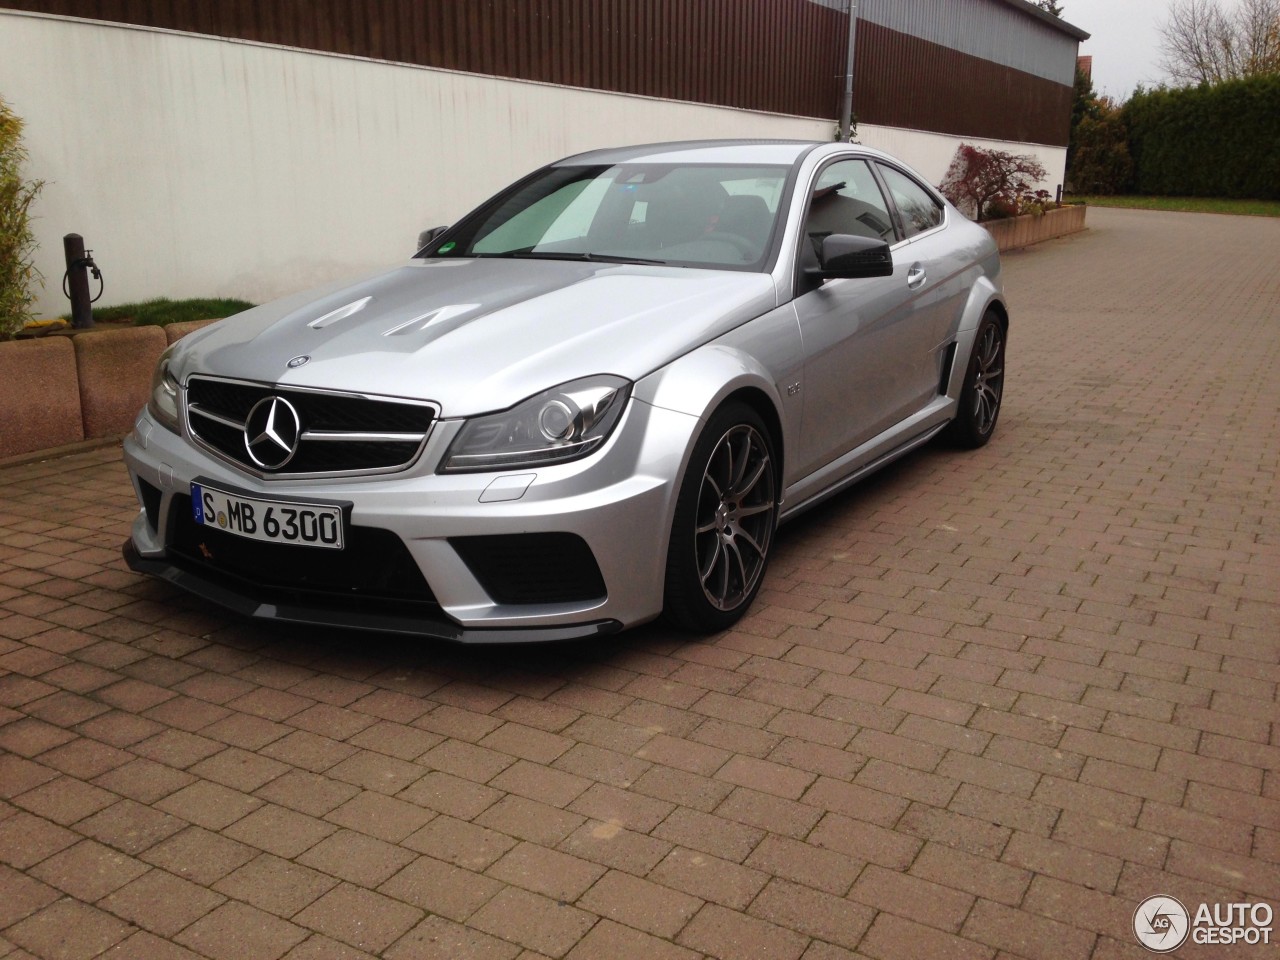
x=374, y=564
x=533, y=567
x=338, y=433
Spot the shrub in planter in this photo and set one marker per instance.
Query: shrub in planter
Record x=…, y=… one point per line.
x=992, y=183
x=18, y=273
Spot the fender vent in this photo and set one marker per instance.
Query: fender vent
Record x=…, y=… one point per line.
x=948, y=361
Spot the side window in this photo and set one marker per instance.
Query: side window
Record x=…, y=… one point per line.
x=847, y=199
x=920, y=212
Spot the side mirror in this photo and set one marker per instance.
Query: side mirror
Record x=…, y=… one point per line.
x=426, y=236
x=846, y=256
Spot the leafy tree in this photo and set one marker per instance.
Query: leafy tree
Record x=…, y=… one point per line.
x=1048, y=6
x=18, y=273
x=1084, y=103
x=1100, y=162
x=985, y=182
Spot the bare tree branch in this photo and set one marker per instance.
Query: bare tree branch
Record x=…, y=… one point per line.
x=1203, y=43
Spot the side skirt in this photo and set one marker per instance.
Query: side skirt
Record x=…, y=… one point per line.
x=880, y=451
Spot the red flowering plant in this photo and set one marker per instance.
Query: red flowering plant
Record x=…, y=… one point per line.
x=992, y=184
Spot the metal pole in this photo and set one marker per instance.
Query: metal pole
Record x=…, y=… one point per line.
x=846, y=110
x=77, y=281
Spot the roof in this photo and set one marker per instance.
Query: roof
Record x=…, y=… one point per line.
x=1048, y=18
x=698, y=151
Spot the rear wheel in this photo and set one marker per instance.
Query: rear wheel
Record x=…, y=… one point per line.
x=983, y=391
x=725, y=517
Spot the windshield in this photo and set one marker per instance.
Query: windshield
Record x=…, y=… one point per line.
x=721, y=216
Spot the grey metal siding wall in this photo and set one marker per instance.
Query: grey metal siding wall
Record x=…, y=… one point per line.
x=991, y=30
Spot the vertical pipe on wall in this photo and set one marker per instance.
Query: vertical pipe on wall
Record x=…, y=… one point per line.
x=846, y=108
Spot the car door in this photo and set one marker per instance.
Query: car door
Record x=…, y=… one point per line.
x=934, y=276
x=862, y=338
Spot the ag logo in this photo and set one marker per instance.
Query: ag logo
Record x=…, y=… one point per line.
x=1161, y=924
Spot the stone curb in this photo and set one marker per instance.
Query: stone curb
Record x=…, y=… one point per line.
x=39, y=395
x=115, y=373
x=61, y=390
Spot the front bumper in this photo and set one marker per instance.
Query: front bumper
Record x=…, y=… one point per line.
x=618, y=502
x=247, y=602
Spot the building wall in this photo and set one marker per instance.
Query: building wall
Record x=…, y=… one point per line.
x=999, y=31
x=931, y=153
x=771, y=55
x=197, y=167
x=980, y=68
x=905, y=81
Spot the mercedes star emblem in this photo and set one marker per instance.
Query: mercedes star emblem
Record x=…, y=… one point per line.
x=271, y=433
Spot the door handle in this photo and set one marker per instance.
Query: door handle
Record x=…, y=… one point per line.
x=915, y=276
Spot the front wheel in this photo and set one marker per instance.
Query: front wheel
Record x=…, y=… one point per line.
x=975, y=420
x=725, y=517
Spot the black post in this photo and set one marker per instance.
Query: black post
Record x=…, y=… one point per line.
x=77, y=281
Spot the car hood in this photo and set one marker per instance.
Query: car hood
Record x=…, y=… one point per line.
x=476, y=335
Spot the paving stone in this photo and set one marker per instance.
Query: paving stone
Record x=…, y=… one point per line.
x=68, y=929
x=728, y=934
x=441, y=888
x=985, y=702
x=437, y=938
x=361, y=918
x=161, y=902
x=237, y=931
x=533, y=921
x=88, y=871
x=356, y=857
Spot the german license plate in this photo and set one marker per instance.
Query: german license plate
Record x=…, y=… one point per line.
x=272, y=521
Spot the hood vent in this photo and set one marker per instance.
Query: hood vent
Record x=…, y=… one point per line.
x=431, y=318
x=333, y=316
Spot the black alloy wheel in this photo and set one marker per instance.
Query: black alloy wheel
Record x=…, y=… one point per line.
x=983, y=391
x=724, y=523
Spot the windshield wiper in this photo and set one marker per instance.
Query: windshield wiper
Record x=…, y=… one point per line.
x=588, y=257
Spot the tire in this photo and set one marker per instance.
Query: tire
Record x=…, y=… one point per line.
x=726, y=514
x=983, y=391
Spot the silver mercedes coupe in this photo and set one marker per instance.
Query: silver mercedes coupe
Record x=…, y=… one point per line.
x=588, y=403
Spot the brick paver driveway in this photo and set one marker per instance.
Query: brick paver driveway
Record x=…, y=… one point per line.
x=987, y=703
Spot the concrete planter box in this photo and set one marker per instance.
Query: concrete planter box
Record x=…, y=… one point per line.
x=39, y=395
x=58, y=390
x=115, y=369
x=1026, y=230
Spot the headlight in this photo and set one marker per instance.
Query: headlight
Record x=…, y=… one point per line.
x=163, y=402
x=564, y=423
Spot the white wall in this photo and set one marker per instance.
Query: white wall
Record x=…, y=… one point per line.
x=195, y=166
x=201, y=167
x=931, y=153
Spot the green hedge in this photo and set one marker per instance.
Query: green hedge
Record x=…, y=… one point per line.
x=1219, y=141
